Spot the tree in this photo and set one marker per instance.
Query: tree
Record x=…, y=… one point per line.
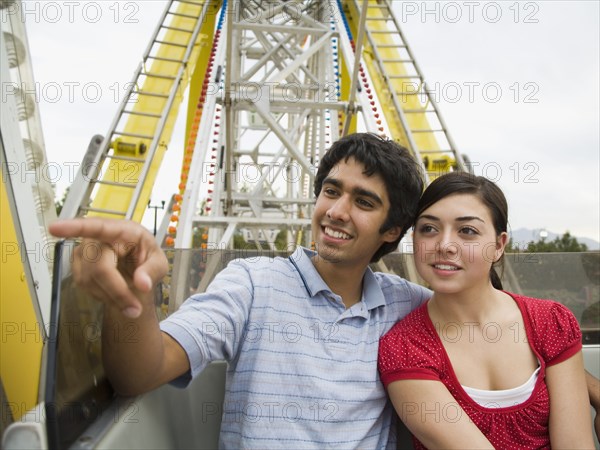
x=60, y=203
x=511, y=247
x=565, y=243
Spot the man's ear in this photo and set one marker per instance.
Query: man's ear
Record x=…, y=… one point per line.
x=392, y=234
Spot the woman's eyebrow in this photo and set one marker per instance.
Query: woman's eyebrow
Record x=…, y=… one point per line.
x=458, y=219
x=468, y=218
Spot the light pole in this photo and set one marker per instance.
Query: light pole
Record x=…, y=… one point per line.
x=156, y=208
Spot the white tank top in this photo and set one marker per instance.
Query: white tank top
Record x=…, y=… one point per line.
x=505, y=397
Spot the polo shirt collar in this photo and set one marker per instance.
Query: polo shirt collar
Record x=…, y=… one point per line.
x=372, y=295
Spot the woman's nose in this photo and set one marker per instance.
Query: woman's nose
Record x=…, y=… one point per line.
x=446, y=245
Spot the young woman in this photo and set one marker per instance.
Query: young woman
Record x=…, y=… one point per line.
x=477, y=367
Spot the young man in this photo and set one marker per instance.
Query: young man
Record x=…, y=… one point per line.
x=300, y=334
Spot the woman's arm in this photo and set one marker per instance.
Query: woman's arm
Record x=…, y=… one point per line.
x=593, y=386
x=570, y=424
x=434, y=416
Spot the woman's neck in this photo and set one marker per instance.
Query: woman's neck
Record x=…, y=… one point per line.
x=476, y=305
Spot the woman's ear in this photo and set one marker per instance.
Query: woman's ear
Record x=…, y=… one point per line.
x=501, y=242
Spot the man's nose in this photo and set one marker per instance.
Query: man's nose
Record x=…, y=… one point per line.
x=340, y=209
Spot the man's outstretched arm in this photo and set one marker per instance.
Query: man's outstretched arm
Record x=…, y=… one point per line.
x=119, y=264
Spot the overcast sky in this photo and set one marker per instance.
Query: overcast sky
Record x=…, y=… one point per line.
x=517, y=83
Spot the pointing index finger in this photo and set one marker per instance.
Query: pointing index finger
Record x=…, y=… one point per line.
x=103, y=230
x=128, y=239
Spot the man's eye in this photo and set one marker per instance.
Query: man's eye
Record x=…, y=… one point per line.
x=364, y=203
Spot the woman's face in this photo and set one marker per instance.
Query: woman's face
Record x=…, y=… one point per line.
x=455, y=244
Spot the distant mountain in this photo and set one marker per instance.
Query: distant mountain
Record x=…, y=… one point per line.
x=523, y=236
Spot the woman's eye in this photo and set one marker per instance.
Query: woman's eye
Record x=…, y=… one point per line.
x=426, y=229
x=469, y=231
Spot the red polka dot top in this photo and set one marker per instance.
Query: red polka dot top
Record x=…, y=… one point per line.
x=412, y=349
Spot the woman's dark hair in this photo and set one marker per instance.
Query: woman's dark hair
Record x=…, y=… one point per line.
x=400, y=172
x=487, y=191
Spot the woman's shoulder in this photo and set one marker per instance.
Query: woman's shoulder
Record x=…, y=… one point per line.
x=412, y=324
x=410, y=349
x=552, y=326
x=540, y=309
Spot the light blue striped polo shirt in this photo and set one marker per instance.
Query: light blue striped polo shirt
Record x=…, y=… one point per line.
x=302, y=369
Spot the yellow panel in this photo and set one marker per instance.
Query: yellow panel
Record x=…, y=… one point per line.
x=119, y=198
x=21, y=345
x=415, y=121
x=202, y=63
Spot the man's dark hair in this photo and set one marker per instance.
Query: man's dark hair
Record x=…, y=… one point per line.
x=400, y=172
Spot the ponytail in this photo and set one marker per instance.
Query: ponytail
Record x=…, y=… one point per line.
x=495, y=279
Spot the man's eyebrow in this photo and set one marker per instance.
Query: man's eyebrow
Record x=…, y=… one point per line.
x=334, y=181
x=366, y=193
x=358, y=191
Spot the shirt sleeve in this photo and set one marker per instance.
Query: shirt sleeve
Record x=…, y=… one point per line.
x=210, y=326
x=419, y=295
x=558, y=332
x=406, y=353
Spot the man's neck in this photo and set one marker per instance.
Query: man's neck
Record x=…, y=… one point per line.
x=347, y=282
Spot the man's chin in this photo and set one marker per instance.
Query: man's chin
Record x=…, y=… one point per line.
x=328, y=253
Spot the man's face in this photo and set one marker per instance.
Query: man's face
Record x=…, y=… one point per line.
x=349, y=212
